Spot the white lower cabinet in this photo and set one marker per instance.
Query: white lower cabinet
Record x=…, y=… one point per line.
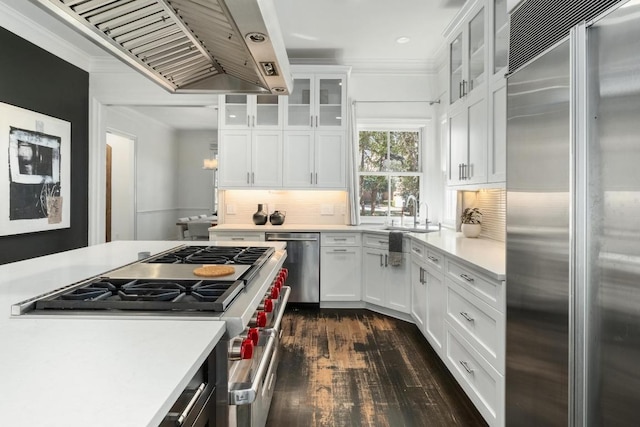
x=436, y=308
x=383, y=284
x=340, y=280
x=418, y=295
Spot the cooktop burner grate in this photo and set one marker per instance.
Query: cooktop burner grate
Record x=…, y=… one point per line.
x=147, y=295
x=248, y=255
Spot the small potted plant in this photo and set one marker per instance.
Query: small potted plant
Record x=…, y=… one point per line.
x=471, y=222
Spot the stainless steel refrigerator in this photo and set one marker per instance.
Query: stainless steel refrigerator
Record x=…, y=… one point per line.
x=573, y=229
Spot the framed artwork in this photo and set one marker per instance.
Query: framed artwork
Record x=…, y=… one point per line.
x=35, y=187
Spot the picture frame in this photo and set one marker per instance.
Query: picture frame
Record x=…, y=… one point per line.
x=35, y=190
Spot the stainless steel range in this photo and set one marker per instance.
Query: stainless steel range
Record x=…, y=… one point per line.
x=251, y=301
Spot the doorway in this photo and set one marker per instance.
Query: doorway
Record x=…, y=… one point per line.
x=120, y=223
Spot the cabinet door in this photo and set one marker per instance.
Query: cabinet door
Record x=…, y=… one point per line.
x=340, y=278
x=418, y=296
x=476, y=54
x=330, y=159
x=266, y=155
x=457, y=145
x=476, y=170
x=330, y=102
x=500, y=26
x=436, y=309
x=455, y=69
x=397, y=289
x=373, y=275
x=299, y=112
x=298, y=167
x=498, y=134
x=235, y=112
x=266, y=112
x=235, y=158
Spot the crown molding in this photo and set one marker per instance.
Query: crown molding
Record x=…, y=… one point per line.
x=412, y=67
x=109, y=65
x=36, y=33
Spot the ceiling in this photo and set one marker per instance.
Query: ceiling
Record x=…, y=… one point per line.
x=359, y=33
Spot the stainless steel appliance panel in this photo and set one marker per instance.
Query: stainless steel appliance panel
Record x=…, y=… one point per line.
x=538, y=241
x=303, y=262
x=613, y=377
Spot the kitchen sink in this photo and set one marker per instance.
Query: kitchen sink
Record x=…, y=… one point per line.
x=418, y=229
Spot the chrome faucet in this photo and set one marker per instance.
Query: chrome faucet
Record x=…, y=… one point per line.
x=426, y=215
x=415, y=208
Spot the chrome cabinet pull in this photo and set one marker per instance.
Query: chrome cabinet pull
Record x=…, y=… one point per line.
x=466, y=367
x=466, y=316
x=340, y=239
x=253, y=178
x=237, y=238
x=432, y=258
x=464, y=172
x=339, y=250
x=316, y=178
x=383, y=242
x=311, y=177
x=460, y=89
x=183, y=416
x=381, y=265
x=467, y=278
x=386, y=260
x=422, y=275
x=248, y=182
x=248, y=121
x=417, y=250
x=316, y=121
x=459, y=171
x=254, y=121
x=311, y=121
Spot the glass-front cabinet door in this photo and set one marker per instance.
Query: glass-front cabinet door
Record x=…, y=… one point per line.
x=267, y=111
x=455, y=67
x=299, y=108
x=330, y=102
x=476, y=52
x=500, y=35
x=236, y=111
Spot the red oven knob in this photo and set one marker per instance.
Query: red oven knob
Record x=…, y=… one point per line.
x=275, y=293
x=279, y=283
x=253, y=335
x=261, y=319
x=268, y=305
x=284, y=272
x=246, y=349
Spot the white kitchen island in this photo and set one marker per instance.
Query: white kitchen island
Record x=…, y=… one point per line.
x=70, y=370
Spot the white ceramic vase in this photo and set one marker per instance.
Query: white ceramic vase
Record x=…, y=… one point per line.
x=471, y=230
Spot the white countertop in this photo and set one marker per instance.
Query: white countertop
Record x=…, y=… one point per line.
x=486, y=254
x=73, y=371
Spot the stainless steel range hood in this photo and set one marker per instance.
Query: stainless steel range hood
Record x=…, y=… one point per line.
x=189, y=46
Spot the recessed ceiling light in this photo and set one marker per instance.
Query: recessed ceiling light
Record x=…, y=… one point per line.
x=403, y=40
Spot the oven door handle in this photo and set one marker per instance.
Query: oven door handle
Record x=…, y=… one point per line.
x=248, y=395
x=282, y=305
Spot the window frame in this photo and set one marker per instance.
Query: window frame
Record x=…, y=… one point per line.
x=392, y=126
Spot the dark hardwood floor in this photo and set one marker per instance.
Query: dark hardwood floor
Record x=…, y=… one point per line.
x=360, y=368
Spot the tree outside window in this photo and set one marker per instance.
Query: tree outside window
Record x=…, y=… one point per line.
x=389, y=171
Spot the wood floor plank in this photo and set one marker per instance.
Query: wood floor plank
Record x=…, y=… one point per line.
x=359, y=368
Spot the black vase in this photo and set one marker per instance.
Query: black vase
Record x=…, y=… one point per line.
x=260, y=217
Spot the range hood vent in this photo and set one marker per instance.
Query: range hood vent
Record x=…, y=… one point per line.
x=189, y=46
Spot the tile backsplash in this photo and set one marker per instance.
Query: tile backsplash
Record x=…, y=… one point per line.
x=492, y=204
x=301, y=207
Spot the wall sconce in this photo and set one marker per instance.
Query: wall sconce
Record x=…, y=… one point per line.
x=211, y=164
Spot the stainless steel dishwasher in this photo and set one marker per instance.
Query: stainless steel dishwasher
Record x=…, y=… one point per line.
x=303, y=262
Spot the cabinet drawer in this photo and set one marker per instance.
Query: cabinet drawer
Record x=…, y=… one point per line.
x=434, y=259
x=478, y=322
x=237, y=236
x=379, y=241
x=418, y=251
x=490, y=291
x=483, y=384
x=340, y=239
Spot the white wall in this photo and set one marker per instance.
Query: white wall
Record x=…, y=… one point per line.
x=402, y=87
x=195, y=185
x=156, y=172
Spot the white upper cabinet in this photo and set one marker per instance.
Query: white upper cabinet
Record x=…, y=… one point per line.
x=251, y=112
x=250, y=159
x=478, y=44
x=318, y=101
x=468, y=58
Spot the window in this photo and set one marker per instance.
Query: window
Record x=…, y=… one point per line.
x=389, y=169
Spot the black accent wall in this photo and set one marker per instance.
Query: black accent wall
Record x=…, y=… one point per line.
x=33, y=78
